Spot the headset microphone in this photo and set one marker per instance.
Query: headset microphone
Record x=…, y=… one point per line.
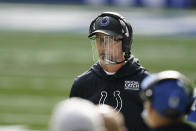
x=112, y=62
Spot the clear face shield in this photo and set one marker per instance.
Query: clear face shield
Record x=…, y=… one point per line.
x=107, y=49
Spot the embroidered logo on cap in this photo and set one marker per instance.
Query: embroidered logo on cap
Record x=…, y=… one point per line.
x=174, y=101
x=104, y=21
x=132, y=85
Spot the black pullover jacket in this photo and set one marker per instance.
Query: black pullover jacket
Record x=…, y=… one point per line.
x=120, y=90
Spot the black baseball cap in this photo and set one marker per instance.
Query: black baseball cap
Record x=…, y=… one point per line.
x=107, y=25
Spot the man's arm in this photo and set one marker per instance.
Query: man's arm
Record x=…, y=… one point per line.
x=74, y=90
x=77, y=89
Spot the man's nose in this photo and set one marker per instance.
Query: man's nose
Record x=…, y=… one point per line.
x=101, y=40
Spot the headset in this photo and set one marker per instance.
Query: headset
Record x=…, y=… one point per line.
x=147, y=92
x=126, y=26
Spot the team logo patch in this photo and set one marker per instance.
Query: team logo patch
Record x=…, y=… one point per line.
x=104, y=21
x=116, y=95
x=132, y=85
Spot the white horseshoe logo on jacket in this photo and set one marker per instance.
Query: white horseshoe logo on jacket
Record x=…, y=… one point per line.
x=116, y=96
x=103, y=97
x=118, y=100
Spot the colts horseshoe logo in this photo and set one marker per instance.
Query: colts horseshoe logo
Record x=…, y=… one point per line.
x=117, y=97
x=104, y=21
x=103, y=97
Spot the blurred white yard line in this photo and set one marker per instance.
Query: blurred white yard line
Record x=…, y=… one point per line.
x=13, y=128
x=77, y=19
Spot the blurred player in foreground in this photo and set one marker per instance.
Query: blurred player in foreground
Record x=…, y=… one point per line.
x=114, y=121
x=168, y=98
x=76, y=114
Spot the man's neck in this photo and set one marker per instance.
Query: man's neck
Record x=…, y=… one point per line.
x=160, y=121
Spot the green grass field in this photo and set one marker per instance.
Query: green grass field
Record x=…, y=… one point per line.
x=37, y=69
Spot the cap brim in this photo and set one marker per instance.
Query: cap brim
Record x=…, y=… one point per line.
x=107, y=32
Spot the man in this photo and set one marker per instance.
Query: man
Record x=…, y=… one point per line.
x=76, y=114
x=115, y=78
x=113, y=120
x=168, y=98
x=192, y=116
